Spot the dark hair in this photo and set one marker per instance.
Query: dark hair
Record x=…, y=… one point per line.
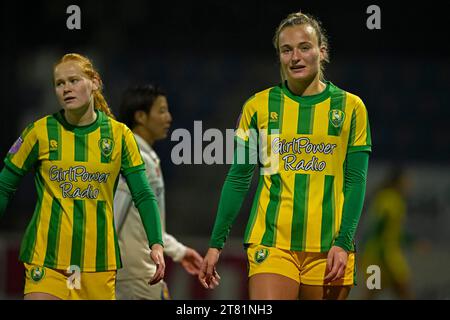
x=135, y=98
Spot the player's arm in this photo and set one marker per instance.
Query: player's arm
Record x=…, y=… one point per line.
x=355, y=174
x=21, y=157
x=234, y=190
x=354, y=191
x=133, y=169
x=9, y=181
x=145, y=201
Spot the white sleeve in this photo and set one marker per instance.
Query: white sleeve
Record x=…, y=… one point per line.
x=173, y=248
x=122, y=203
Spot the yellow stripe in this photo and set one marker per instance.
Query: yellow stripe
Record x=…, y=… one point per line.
x=65, y=235
x=90, y=241
x=27, y=145
x=117, y=132
x=260, y=224
x=68, y=146
x=321, y=119
x=111, y=256
x=361, y=126
x=284, y=223
x=313, y=231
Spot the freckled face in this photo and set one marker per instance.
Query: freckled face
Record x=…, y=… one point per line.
x=73, y=88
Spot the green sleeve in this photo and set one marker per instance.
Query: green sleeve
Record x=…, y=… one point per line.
x=354, y=191
x=147, y=205
x=234, y=190
x=9, y=180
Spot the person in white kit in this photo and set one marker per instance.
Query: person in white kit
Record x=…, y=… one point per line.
x=144, y=109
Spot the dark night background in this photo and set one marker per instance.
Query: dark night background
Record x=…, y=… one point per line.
x=210, y=56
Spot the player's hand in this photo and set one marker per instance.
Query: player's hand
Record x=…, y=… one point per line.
x=192, y=261
x=158, y=258
x=336, y=263
x=208, y=276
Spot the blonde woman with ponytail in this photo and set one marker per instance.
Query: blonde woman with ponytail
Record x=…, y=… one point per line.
x=70, y=248
x=300, y=233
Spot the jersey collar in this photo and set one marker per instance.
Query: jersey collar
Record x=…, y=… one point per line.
x=313, y=99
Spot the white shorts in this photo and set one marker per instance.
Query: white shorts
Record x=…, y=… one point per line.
x=139, y=289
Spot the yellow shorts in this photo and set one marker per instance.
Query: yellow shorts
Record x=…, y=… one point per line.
x=70, y=286
x=304, y=267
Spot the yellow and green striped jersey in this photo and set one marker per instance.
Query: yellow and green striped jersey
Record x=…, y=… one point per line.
x=76, y=174
x=299, y=200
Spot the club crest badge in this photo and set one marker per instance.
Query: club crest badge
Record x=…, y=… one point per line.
x=336, y=117
x=261, y=255
x=37, y=273
x=106, y=146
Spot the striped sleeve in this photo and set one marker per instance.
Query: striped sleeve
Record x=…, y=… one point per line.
x=247, y=120
x=360, y=138
x=131, y=156
x=24, y=152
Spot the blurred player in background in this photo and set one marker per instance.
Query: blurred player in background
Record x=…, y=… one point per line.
x=386, y=237
x=145, y=110
x=299, y=237
x=77, y=154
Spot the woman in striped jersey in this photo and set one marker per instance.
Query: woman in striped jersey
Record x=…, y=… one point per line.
x=313, y=141
x=70, y=248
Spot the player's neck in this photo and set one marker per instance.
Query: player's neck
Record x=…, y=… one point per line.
x=144, y=134
x=306, y=88
x=81, y=117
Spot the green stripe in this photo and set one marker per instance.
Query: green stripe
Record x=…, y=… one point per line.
x=369, y=135
x=54, y=134
x=300, y=214
x=126, y=159
x=32, y=157
x=78, y=236
x=81, y=147
x=51, y=255
x=276, y=106
x=338, y=99
x=328, y=211
x=305, y=119
x=105, y=133
x=27, y=130
x=254, y=211
x=272, y=211
x=116, y=247
x=29, y=239
x=352, y=135
x=101, y=261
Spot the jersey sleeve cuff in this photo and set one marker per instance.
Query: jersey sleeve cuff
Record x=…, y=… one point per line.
x=216, y=244
x=352, y=149
x=14, y=168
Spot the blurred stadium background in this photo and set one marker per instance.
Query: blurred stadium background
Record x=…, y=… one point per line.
x=210, y=57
